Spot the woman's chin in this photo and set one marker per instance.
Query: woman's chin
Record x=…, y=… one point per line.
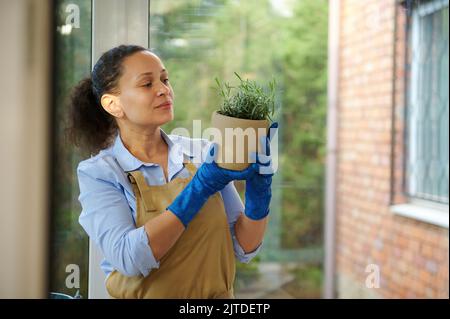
x=164, y=119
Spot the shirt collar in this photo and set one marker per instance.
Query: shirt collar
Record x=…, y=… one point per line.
x=129, y=162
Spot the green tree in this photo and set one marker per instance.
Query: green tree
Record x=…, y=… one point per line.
x=304, y=119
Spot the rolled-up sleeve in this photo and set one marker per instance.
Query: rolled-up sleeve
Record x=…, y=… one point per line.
x=107, y=219
x=233, y=208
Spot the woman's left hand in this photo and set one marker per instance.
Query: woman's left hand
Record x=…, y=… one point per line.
x=258, y=191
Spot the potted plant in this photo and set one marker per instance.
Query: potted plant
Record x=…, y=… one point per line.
x=241, y=120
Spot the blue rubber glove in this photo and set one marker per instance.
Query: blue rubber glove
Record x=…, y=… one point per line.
x=208, y=180
x=258, y=192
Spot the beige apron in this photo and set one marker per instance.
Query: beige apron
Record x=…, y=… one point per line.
x=201, y=264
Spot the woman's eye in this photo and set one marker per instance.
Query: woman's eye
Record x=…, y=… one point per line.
x=149, y=84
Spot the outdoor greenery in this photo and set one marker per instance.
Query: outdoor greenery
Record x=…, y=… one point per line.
x=308, y=282
x=69, y=240
x=304, y=119
x=250, y=101
x=199, y=41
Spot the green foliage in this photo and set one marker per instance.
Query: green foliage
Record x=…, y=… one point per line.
x=307, y=283
x=250, y=101
x=70, y=243
x=246, y=273
x=304, y=59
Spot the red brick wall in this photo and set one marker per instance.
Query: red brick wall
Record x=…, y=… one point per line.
x=412, y=256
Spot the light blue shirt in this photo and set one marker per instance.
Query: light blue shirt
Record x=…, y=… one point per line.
x=109, y=205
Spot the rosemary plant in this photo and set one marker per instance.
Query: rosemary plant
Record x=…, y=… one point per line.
x=250, y=101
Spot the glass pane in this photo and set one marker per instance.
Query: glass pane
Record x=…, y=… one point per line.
x=428, y=120
x=69, y=250
x=199, y=40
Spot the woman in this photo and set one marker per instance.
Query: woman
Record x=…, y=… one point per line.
x=166, y=227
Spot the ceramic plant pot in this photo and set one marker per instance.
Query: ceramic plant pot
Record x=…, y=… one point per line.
x=238, y=139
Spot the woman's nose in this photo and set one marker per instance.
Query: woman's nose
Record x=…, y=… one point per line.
x=163, y=89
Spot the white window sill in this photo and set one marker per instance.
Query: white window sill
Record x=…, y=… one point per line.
x=431, y=215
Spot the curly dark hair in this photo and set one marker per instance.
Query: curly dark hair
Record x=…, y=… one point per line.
x=90, y=127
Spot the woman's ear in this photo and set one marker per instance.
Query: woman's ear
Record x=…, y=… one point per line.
x=111, y=104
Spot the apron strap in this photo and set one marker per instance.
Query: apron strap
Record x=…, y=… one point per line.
x=136, y=178
x=132, y=180
x=138, y=183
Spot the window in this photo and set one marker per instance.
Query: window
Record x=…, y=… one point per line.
x=427, y=113
x=69, y=245
x=199, y=40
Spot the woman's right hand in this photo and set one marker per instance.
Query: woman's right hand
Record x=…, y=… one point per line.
x=209, y=179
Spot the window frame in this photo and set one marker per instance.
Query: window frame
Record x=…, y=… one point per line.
x=425, y=210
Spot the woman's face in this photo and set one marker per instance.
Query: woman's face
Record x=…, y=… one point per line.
x=146, y=96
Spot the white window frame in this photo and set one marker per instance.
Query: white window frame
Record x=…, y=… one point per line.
x=424, y=211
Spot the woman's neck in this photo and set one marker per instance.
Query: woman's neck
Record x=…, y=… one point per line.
x=146, y=145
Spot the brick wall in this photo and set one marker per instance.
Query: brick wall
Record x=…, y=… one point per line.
x=412, y=256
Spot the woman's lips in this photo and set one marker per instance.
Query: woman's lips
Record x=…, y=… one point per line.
x=166, y=105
